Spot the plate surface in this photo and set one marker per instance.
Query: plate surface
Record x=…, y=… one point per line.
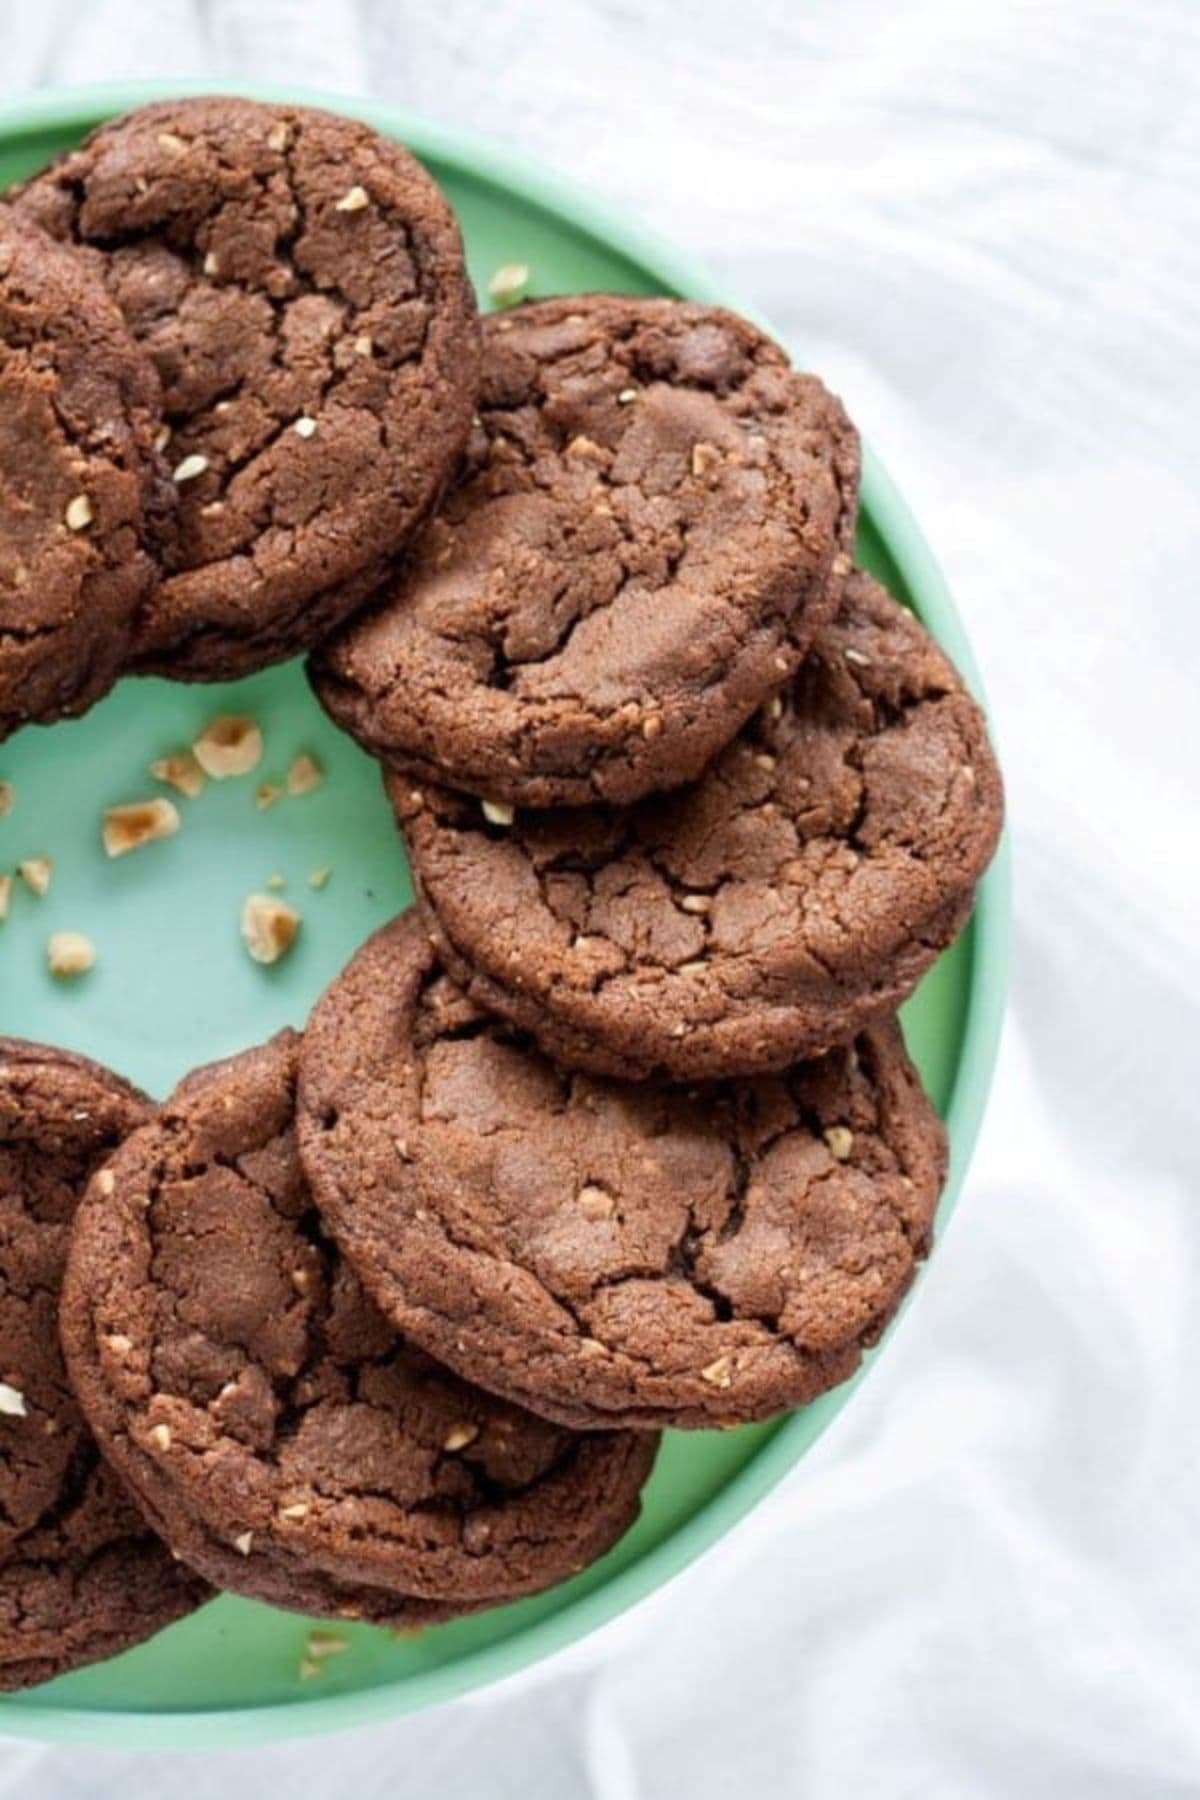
x=173, y=988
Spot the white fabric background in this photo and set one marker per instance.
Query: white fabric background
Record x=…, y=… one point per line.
x=981, y=224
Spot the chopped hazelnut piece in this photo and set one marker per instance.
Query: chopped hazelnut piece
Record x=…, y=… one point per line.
x=12, y=1401
x=210, y=264
x=498, y=812
x=180, y=771
x=189, y=468
x=36, y=872
x=160, y=1436
x=279, y=136
x=652, y=727
x=363, y=345
x=269, y=928
x=299, y=1509
x=584, y=446
x=627, y=396
x=230, y=745
x=321, y=1644
x=117, y=1343
x=304, y=775
x=595, y=1203
x=106, y=1183
x=509, y=283
x=79, y=513
x=355, y=199
x=70, y=954
x=162, y=438
x=127, y=828
x=301, y=1280
x=774, y=708
x=856, y=656
x=840, y=1141
x=305, y=427
x=765, y=761
x=459, y=1436
x=696, y=967
x=718, y=1373
x=244, y=1543
x=5, y=896
x=309, y=1670
x=696, y=903
x=269, y=792
x=170, y=140
x=704, y=457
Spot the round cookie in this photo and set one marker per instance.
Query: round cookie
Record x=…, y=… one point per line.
x=81, y=1576
x=80, y=481
x=651, y=521
x=299, y=282
x=265, y=1413
x=796, y=892
x=611, y=1254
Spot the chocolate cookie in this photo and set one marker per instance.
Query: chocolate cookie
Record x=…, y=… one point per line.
x=640, y=547
x=299, y=282
x=266, y=1415
x=81, y=1576
x=611, y=1254
x=80, y=480
x=795, y=893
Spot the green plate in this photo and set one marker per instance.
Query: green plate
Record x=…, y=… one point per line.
x=173, y=987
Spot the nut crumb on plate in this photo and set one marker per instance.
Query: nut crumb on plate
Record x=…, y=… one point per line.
x=69, y=954
x=229, y=745
x=269, y=928
x=127, y=828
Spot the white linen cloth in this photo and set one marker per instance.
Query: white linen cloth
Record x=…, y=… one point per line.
x=981, y=225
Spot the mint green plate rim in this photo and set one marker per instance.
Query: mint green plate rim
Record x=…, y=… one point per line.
x=79, y=108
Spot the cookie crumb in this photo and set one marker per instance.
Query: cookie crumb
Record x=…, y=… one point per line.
x=79, y=513
x=309, y=1669
x=459, y=1436
x=244, y=1543
x=304, y=775
x=319, y=1644
x=269, y=928
x=269, y=792
x=719, y=1373
x=509, y=284
x=12, y=1401
x=498, y=812
x=230, y=744
x=355, y=199
x=180, y=771
x=319, y=878
x=189, y=468
x=36, y=872
x=127, y=828
x=69, y=954
x=840, y=1141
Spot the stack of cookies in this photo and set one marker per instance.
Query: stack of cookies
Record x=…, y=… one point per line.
x=615, y=1130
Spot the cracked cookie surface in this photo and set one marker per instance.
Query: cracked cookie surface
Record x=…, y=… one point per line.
x=81, y=1576
x=610, y=1253
x=299, y=283
x=796, y=892
x=80, y=480
x=262, y=1408
x=641, y=542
